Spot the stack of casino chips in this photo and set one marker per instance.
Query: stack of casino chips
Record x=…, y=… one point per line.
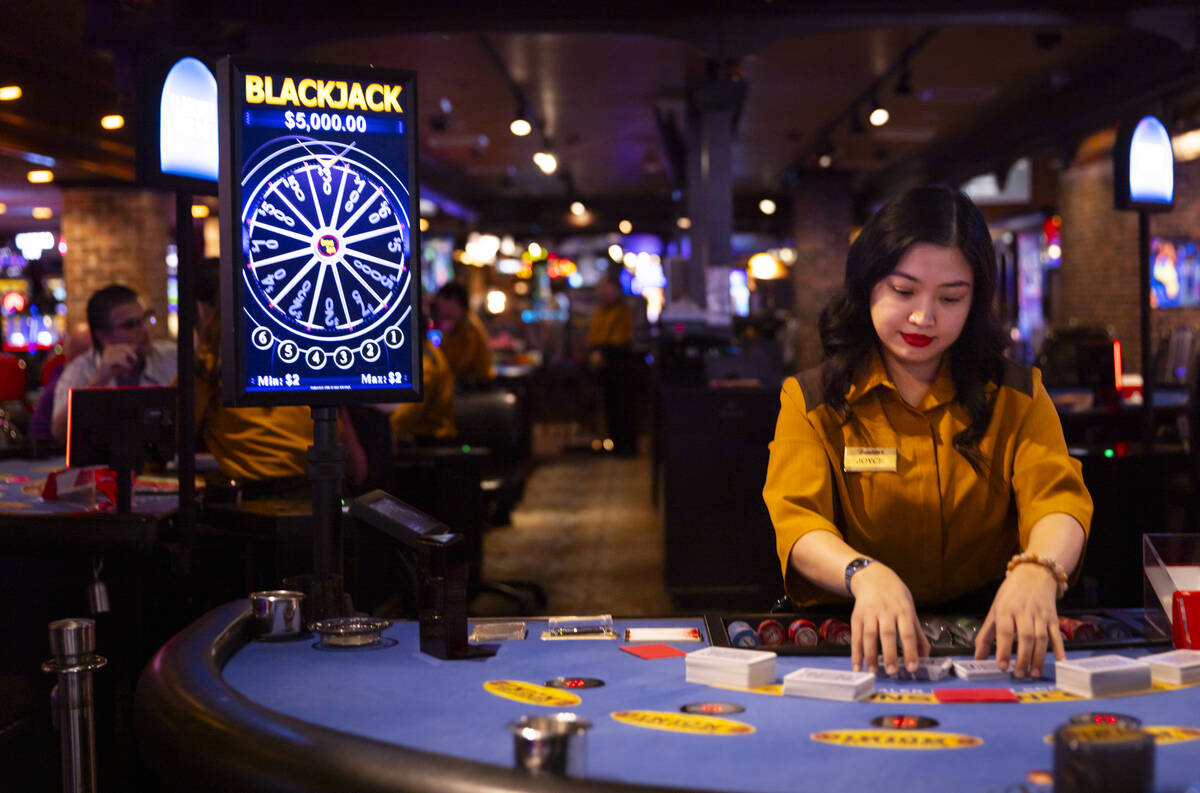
x=803, y=633
x=770, y=633
x=835, y=632
x=1079, y=630
x=800, y=632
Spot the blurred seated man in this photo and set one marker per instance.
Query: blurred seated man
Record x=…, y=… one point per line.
x=77, y=342
x=251, y=444
x=123, y=354
x=433, y=417
x=464, y=340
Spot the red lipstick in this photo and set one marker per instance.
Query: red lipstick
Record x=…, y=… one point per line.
x=916, y=339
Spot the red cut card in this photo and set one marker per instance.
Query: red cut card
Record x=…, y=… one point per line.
x=974, y=695
x=649, y=651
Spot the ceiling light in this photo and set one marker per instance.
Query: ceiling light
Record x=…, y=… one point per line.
x=546, y=161
x=520, y=127
x=625, y=227
x=578, y=209
x=536, y=251
x=200, y=211
x=3, y=207
x=825, y=160
x=9, y=93
x=766, y=206
x=42, y=213
x=684, y=222
x=113, y=121
x=1186, y=145
x=615, y=253
x=40, y=177
x=764, y=267
x=496, y=301
x=423, y=224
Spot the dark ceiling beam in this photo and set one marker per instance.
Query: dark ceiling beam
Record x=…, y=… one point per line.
x=716, y=27
x=1096, y=97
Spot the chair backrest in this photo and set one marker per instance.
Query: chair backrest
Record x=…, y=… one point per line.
x=493, y=419
x=51, y=365
x=14, y=381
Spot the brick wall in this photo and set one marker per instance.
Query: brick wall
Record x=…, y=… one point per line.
x=1098, y=283
x=822, y=220
x=116, y=236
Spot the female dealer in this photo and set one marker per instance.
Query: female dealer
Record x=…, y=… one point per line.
x=916, y=464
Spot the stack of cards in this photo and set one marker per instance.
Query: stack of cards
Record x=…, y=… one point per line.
x=1102, y=675
x=1178, y=667
x=829, y=684
x=982, y=670
x=730, y=666
x=928, y=669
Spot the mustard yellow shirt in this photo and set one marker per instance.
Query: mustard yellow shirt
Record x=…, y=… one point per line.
x=943, y=528
x=612, y=325
x=466, y=349
x=433, y=416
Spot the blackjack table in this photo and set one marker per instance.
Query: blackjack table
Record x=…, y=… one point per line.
x=218, y=709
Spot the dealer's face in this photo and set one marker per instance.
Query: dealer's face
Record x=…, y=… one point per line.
x=919, y=308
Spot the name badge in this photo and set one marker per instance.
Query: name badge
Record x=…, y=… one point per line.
x=868, y=458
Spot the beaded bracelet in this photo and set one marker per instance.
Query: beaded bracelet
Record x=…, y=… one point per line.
x=1056, y=569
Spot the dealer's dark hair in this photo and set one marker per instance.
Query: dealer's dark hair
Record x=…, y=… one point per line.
x=100, y=306
x=208, y=281
x=940, y=216
x=453, y=290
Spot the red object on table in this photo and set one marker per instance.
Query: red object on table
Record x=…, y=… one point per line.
x=650, y=651
x=1185, y=619
x=974, y=695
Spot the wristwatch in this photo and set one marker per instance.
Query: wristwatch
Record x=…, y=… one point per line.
x=852, y=568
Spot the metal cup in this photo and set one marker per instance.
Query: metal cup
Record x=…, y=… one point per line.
x=277, y=613
x=553, y=744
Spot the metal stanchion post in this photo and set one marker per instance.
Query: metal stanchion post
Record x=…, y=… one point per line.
x=72, y=641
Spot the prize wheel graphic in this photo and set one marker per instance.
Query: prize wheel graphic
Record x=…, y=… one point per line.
x=325, y=233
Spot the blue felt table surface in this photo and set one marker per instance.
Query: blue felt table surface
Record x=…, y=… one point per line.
x=396, y=694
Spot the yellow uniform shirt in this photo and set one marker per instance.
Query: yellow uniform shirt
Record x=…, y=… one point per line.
x=612, y=326
x=466, y=349
x=433, y=416
x=943, y=528
x=250, y=443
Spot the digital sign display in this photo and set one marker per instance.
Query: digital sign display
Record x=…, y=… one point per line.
x=1143, y=166
x=177, y=124
x=320, y=287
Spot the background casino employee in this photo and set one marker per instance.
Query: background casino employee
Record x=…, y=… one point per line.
x=916, y=462
x=464, y=340
x=122, y=351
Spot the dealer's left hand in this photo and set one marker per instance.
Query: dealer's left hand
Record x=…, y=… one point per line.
x=1024, y=609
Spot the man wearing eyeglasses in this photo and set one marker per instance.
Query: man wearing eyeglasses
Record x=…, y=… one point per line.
x=123, y=354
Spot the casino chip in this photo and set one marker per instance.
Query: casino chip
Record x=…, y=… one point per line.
x=741, y=634
x=770, y=633
x=835, y=632
x=803, y=633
